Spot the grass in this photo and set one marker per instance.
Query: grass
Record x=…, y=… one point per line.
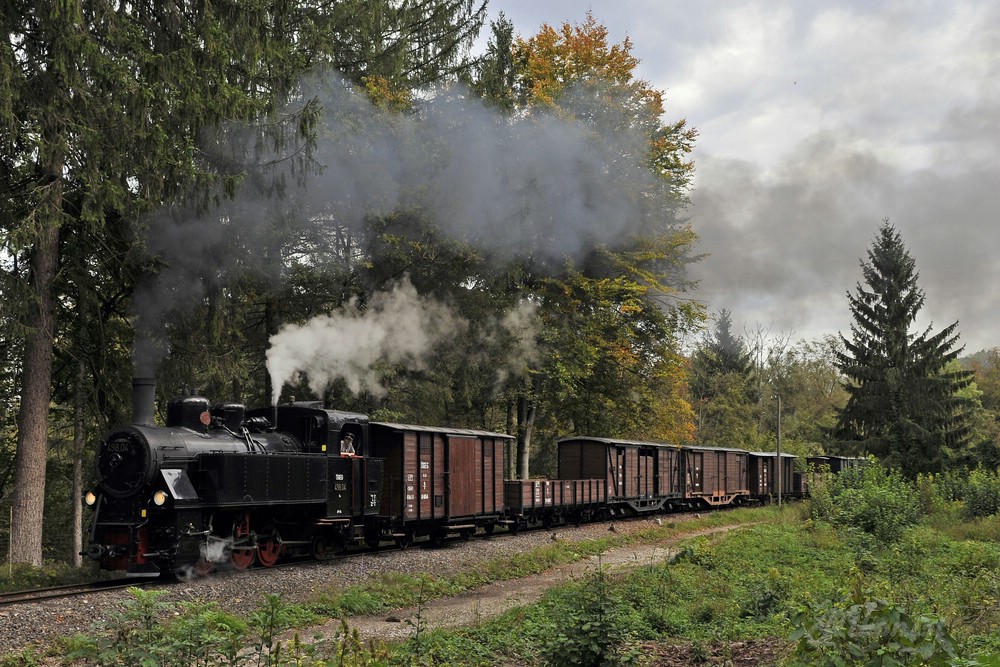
x=751, y=584
x=394, y=590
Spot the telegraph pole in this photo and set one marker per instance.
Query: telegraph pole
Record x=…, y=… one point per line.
x=780, y=468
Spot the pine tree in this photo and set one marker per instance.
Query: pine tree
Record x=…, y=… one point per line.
x=722, y=386
x=903, y=404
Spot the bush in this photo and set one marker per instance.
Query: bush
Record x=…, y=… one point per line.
x=871, y=498
x=982, y=496
x=592, y=627
x=860, y=629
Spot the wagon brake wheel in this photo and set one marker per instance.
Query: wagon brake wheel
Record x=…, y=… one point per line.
x=242, y=549
x=269, y=549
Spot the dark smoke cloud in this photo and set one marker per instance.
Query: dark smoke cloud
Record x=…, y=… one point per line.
x=545, y=187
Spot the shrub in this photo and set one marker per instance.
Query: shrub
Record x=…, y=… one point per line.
x=860, y=629
x=871, y=498
x=982, y=496
x=590, y=628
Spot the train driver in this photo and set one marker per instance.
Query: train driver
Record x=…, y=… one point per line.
x=347, y=445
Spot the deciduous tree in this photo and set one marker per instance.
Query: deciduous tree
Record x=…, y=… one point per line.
x=612, y=319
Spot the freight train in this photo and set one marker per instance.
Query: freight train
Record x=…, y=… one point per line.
x=219, y=486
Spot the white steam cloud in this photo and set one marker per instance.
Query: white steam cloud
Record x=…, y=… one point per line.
x=397, y=326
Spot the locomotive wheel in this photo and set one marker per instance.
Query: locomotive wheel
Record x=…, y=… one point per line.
x=269, y=550
x=242, y=549
x=203, y=567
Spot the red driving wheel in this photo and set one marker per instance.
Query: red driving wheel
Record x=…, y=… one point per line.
x=243, y=547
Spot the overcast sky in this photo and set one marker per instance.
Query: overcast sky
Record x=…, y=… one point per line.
x=816, y=121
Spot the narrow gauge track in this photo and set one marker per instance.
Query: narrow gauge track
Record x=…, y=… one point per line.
x=72, y=590
x=357, y=551
x=66, y=591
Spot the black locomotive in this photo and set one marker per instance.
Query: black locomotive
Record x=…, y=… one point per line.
x=217, y=485
x=220, y=486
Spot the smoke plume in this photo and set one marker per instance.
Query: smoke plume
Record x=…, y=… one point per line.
x=397, y=326
x=542, y=189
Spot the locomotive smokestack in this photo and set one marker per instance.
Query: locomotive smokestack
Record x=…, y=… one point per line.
x=143, y=400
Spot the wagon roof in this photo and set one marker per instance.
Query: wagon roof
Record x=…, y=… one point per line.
x=642, y=443
x=617, y=441
x=771, y=454
x=443, y=430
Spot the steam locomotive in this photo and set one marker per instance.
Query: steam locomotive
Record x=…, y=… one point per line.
x=222, y=487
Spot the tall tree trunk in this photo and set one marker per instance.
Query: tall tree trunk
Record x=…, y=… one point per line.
x=79, y=439
x=525, y=427
x=36, y=391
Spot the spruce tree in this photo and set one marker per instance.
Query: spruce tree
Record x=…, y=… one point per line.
x=903, y=405
x=722, y=386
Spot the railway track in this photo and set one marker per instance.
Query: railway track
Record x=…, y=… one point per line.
x=74, y=590
x=65, y=591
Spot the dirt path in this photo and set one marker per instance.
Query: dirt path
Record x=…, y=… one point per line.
x=493, y=600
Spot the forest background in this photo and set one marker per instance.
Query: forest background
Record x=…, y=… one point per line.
x=227, y=196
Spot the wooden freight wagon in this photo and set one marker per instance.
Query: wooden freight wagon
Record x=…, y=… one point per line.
x=715, y=476
x=437, y=481
x=762, y=479
x=549, y=501
x=638, y=476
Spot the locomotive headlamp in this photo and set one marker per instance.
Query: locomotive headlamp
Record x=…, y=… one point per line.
x=159, y=498
x=90, y=498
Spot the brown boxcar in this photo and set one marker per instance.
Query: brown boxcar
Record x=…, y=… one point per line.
x=437, y=481
x=639, y=476
x=762, y=479
x=715, y=475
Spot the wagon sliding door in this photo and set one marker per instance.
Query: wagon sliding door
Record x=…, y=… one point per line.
x=696, y=472
x=424, y=473
x=475, y=476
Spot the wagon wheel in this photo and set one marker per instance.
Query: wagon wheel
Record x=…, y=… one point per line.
x=372, y=539
x=438, y=536
x=269, y=550
x=467, y=534
x=488, y=528
x=405, y=540
x=324, y=545
x=242, y=548
x=318, y=548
